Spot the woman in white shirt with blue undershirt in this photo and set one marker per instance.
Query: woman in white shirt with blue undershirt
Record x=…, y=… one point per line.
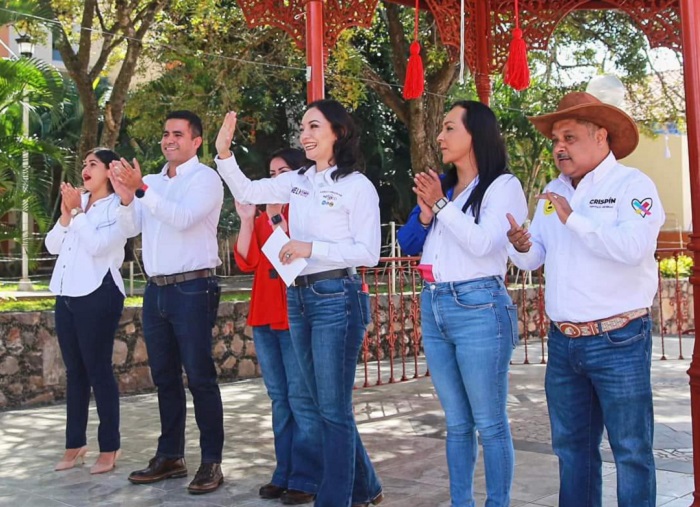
x=469, y=322
x=89, y=301
x=334, y=225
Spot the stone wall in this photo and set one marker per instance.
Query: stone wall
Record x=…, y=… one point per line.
x=32, y=371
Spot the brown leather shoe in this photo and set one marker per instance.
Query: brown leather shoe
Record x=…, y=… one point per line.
x=376, y=500
x=207, y=479
x=296, y=497
x=159, y=468
x=270, y=491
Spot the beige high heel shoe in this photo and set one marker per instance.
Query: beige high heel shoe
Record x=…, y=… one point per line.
x=70, y=457
x=105, y=462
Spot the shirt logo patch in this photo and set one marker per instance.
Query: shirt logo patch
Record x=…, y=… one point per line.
x=300, y=191
x=608, y=202
x=642, y=207
x=329, y=198
x=548, y=207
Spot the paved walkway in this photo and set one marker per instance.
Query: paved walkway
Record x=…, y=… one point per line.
x=402, y=426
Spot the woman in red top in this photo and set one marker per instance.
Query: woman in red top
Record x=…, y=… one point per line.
x=295, y=421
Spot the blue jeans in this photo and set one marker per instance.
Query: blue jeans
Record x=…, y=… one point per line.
x=295, y=420
x=177, y=322
x=596, y=381
x=469, y=331
x=327, y=323
x=85, y=327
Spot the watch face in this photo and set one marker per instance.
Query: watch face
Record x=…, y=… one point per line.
x=140, y=192
x=275, y=219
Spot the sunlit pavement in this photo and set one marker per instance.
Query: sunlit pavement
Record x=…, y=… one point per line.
x=401, y=424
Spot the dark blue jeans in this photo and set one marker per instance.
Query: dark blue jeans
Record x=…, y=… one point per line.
x=177, y=322
x=86, y=327
x=295, y=420
x=327, y=322
x=602, y=381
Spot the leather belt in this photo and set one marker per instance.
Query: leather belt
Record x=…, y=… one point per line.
x=306, y=280
x=162, y=280
x=595, y=327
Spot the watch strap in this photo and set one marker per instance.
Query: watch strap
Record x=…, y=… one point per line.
x=141, y=191
x=439, y=205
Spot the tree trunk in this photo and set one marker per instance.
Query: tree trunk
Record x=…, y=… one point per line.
x=114, y=110
x=423, y=116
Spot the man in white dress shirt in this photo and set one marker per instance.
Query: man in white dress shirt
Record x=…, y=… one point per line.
x=595, y=230
x=177, y=212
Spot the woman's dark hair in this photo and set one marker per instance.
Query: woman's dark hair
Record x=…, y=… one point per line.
x=346, y=149
x=489, y=151
x=106, y=156
x=293, y=157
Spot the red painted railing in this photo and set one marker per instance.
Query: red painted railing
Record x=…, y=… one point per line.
x=392, y=352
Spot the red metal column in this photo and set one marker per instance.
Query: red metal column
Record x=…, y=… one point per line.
x=690, y=27
x=315, y=88
x=482, y=74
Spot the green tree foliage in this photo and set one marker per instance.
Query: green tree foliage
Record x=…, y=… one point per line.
x=32, y=84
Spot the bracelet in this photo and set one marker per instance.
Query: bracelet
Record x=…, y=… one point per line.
x=425, y=226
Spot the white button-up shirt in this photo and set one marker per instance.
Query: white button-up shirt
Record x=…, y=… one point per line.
x=340, y=218
x=91, y=245
x=178, y=219
x=601, y=263
x=459, y=249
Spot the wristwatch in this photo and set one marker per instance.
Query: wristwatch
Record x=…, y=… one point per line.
x=439, y=204
x=275, y=219
x=76, y=211
x=140, y=192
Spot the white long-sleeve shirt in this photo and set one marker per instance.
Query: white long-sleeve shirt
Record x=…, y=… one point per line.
x=178, y=219
x=601, y=263
x=91, y=245
x=340, y=218
x=460, y=249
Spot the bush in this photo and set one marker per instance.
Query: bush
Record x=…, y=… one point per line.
x=684, y=266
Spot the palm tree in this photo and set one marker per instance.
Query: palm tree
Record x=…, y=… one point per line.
x=35, y=85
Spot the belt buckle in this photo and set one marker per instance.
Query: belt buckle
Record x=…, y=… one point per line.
x=569, y=329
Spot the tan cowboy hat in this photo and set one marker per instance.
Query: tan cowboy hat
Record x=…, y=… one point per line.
x=623, y=135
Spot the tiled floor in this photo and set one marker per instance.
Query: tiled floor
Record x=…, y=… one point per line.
x=401, y=424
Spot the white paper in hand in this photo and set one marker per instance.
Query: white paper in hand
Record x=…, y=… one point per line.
x=272, y=248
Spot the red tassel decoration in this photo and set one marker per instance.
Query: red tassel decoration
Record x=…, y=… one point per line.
x=415, y=82
x=517, y=72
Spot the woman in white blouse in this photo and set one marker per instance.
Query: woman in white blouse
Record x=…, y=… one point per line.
x=89, y=301
x=469, y=322
x=334, y=226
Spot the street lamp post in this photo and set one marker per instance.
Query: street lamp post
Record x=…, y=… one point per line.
x=25, y=45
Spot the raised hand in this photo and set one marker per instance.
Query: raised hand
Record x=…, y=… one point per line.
x=225, y=136
x=428, y=187
x=245, y=211
x=71, y=196
x=125, y=194
x=518, y=236
x=561, y=205
x=127, y=174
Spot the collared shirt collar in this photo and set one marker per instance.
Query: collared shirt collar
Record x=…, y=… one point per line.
x=598, y=173
x=86, y=197
x=193, y=162
x=327, y=174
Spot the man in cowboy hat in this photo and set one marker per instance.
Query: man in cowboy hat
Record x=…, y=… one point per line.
x=595, y=231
